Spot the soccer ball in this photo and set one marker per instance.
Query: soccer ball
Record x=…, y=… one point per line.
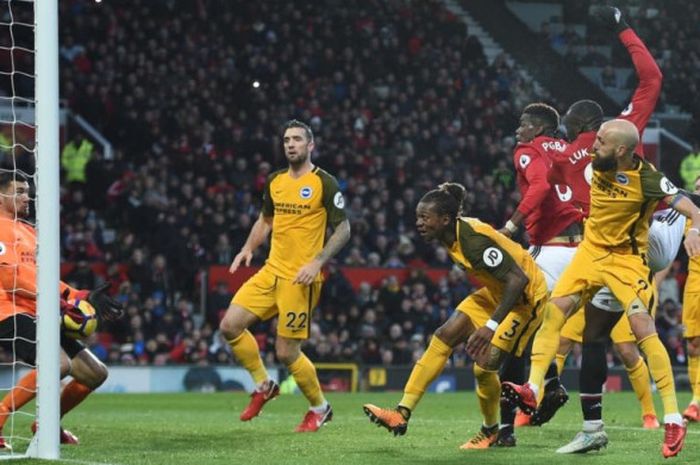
x=80, y=321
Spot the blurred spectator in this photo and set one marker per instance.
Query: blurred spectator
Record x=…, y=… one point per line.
x=690, y=167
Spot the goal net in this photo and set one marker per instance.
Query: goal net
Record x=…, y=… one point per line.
x=28, y=152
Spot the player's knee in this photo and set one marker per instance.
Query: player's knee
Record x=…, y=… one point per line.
x=287, y=353
x=230, y=326
x=66, y=366
x=642, y=325
x=98, y=375
x=628, y=353
x=447, y=335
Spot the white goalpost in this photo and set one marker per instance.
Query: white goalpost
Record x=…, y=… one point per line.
x=24, y=117
x=46, y=442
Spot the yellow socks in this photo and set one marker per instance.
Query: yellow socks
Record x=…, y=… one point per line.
x=694, y=376
x=560, y=361
x=660, y=369
x=546, y=343
x=488, y=390
x=245, y=348
x=639, y=378
x=304, y=374
x=424, y=372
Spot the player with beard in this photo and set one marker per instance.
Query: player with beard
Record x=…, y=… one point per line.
x=624, y=193
x=572, y=171
x=298, y=204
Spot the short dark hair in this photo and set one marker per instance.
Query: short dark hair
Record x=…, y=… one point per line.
x=545, y=114
x=587, y=114
x=447, y=198
x=295, y=123
x=9, y=175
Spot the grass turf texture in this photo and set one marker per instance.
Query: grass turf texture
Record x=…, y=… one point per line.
x=204, y=429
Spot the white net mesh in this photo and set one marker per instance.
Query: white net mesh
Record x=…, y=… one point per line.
x=17, y=147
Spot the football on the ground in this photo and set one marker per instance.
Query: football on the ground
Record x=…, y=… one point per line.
x=79, y=320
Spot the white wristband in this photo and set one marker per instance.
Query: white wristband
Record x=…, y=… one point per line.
x=510, y=226
x=492, y=325
x=697, y=231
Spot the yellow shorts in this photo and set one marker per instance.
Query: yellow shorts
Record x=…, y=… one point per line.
x=691, y=314
x=573, y=329
x=266, y=295
x=626, y=275
x=516, y=329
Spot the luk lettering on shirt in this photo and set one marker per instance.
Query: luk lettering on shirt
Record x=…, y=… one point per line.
x=579, y=155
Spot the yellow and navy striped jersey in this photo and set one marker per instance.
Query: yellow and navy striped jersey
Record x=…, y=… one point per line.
x=489, y=255
x=301, y=209
x=622, y=204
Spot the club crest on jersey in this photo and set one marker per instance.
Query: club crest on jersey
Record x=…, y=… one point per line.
x=564, y=192
x=492, y=257
x=524, y=160
x=622, y=179
x=667, y=186
x=306, y=192
x=339, y=200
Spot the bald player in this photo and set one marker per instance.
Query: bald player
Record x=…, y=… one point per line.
x=625, y=190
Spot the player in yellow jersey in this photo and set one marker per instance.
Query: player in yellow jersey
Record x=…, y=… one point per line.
x=299, y=203
x=624, y=193
x=691, y=327
x=495, y=321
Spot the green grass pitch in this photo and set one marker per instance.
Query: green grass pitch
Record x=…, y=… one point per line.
x=203, y=429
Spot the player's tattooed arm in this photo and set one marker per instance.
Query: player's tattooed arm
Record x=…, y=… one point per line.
x=337, y=241
x=340, y=237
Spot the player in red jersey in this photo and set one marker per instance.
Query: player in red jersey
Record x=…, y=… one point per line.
x=572, y=168
x=553, y=224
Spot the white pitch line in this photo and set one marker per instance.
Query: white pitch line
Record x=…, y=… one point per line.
x=87, y=462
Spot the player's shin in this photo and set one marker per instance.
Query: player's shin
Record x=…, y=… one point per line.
x=21, y=394
x=694, y=376
x=246, y=351
x=639, y=378
x=488, y=390
x=72, y=395
x=514, y=371
x=426, y=369
x=593, y=374
x=560, y=360
x=662, y=373
x=544, y=347
x=304, y=374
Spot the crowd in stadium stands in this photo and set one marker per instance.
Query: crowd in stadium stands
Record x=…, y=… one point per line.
x=400, y=97
x=671, y=30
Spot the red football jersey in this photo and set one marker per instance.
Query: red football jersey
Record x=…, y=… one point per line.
x=547, y=208
x=572, y=166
